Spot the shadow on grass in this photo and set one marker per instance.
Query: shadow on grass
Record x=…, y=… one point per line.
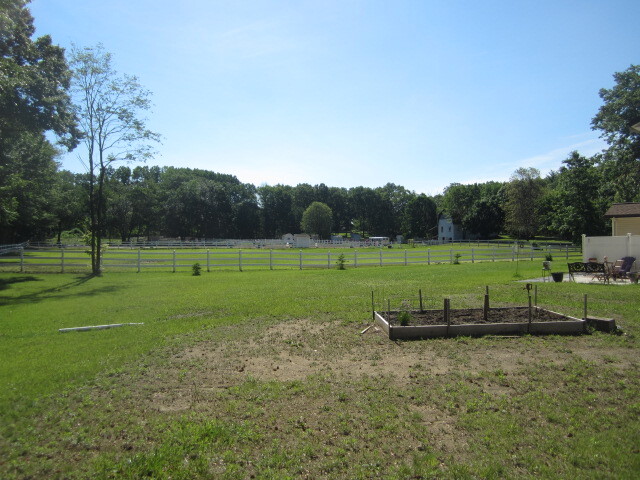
x=59, y=291
x=6, y=282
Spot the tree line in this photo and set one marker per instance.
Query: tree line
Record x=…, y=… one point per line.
x=78, y=98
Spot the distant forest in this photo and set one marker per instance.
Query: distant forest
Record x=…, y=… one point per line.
x=190, y=203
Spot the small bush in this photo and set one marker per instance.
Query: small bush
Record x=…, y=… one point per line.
x=341, y=262
x=195, y=269
x=404, y=318
x=548, y=257
x=456, y=260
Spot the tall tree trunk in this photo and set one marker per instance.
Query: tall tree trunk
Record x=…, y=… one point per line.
x=92, y=214
x=100, y=217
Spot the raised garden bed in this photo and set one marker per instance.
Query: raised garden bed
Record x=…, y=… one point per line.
x=473, y=322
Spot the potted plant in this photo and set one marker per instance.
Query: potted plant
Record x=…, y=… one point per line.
x=546, y=264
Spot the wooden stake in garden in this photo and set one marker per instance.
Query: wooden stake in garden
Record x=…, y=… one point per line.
x=485, y=309
x=447, y=317
x=373, y=308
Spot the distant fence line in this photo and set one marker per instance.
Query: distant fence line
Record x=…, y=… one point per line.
x=270, y=243
x=14, y=247
x=62, y=259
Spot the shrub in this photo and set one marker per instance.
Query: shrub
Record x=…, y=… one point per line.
x=404, y=318
x=341, y=262
x=195, y=269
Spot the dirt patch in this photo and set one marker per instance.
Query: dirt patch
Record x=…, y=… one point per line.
x=297, y=350
x=475, y=316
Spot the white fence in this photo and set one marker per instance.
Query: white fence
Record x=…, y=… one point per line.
x=280, y=243
x=65, y=259
x=15, y=247
x=613, y=248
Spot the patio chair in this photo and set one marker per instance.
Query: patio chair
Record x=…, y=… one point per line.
x=622, y=267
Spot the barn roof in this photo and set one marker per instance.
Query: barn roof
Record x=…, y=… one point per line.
x=623, y=210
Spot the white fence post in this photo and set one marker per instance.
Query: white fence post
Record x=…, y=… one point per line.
x=380, y=257
x=355, y=259
x=300, y=259
x=174, y=261
x=270, y=259
x=61, y=260
x=451, y=256
x=208, y=265
x=138, y=260
x=428, y=256
x=473, y=256
x=405, y=257
x=240, y=260
x=329, y=259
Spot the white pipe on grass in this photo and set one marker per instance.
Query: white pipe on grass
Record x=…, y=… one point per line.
x=96, y=327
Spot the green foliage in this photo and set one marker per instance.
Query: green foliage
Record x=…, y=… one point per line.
x=620, y=110
x=456, y=258
x=341, y=262
x=34, y=79
x=477, y=208
x=523, y=194
x=421, y=217
x=570, y=208
x=404, y=318
x=277, y=217
x=196, y=269
x=317, y=219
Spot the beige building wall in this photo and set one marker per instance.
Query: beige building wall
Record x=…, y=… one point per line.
x=624, y=225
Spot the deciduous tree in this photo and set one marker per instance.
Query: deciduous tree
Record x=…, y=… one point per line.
x=317, y=219
x=422, y=218
x=110, y=108
x=620, y=110
x=523, y=194
x=34, y=78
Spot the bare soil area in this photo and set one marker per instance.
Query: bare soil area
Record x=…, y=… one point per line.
x=469, y=316
x=297, y=350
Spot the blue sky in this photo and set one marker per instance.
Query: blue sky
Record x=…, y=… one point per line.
x=348, y=93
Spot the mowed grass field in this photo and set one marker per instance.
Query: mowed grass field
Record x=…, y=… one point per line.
x=265, y=374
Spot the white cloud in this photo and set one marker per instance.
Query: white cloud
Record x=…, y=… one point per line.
x=551, y=160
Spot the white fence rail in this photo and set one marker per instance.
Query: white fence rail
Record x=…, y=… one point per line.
x=65, y=259
x=277, y=243
x=15, y=247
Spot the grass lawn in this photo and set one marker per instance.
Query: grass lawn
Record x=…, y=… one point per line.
x=265, y=374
